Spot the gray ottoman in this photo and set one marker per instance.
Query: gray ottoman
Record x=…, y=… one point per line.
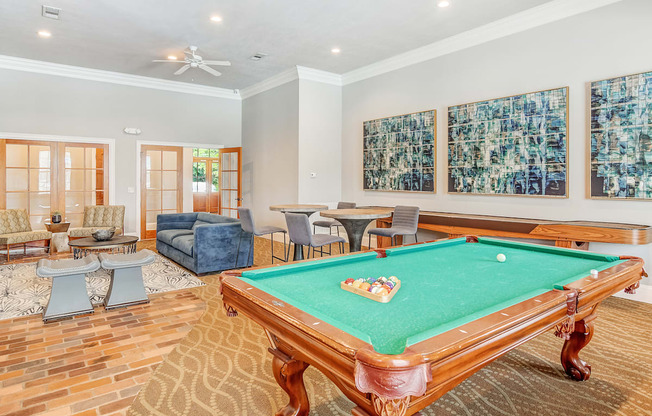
x=126, y=286
x=68, y=296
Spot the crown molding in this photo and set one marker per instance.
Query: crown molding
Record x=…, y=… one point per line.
x=49, y=68
x=269, y=83
x=317, y=75
x=519, y=22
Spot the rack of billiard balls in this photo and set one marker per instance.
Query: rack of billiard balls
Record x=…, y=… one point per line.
x=381, y=289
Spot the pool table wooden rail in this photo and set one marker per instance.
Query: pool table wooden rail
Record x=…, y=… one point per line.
x=564, y=233
x=398, y=385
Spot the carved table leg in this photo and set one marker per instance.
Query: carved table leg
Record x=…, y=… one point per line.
x=574, y=366
x=289, y=375
x=386, y=407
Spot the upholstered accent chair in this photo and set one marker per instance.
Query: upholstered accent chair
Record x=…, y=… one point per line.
x=98, y=217
x=15, y=230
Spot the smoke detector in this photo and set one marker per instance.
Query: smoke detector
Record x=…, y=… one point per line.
x=258, y=56
x=50, y=12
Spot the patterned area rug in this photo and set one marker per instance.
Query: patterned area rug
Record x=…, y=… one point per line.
x=22, y=292
x=222, y=367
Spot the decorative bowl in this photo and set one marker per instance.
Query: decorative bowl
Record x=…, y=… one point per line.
x=104, y=235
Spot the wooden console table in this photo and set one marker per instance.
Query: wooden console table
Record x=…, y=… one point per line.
x=570, y=234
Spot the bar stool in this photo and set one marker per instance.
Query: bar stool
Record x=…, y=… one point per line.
x=405, y=221
x=248, y=226
x=332, y=223
x=299, y=230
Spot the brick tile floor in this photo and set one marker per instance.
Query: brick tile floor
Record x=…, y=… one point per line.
x=93, y=364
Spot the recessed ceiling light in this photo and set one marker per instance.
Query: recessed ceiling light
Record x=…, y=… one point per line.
x=172, y=58
x=216, y=18
x=443, y=3
x=336, y=50
x=44, y=33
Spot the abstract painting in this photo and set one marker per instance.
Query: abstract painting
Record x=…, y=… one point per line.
x=510, y=146
x=399, y=153
x=621, y=137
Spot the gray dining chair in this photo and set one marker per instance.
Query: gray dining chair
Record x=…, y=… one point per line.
x=405, y=221
x=248, y=226
x=332, y=223
x=300, y=235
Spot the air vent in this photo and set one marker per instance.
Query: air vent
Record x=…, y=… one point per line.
x=258, y=56
x=50, y=12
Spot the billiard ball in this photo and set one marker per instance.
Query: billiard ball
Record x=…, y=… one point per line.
x=501, y=258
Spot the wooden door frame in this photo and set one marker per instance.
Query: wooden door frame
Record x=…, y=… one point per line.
x=209, y=172
x=237, y=150
x=143, y=185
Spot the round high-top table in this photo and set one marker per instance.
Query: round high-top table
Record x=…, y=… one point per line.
x=308, y=210
x=355, y=221
x=122, y=243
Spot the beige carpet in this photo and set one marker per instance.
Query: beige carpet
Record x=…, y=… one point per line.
x=222, y=367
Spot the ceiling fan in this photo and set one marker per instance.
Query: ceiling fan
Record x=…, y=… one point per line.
x=192, y=60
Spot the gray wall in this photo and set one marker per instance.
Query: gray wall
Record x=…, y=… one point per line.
x=270, y=138
x=606, y=42
x=51, y=105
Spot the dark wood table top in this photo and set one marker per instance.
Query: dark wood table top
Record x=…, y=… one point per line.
x=89, y=242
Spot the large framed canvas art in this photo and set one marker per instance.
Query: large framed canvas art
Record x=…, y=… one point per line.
x=514, y=145
x=620, y=165
x=399, y=153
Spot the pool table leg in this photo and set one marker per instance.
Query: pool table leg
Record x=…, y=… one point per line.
x=288, y=373
x=383, y=407
x=573, y=364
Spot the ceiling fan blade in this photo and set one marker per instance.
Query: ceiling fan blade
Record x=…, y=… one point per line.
x=210, y=70
x=182, y=70
x=168, y=60
x=223, y=63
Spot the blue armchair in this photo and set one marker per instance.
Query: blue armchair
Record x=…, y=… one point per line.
x=202, y=242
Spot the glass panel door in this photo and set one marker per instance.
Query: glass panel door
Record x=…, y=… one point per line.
x=206, y=180
x=28, y=178
x=161, y=186
x=84, y=180
x=230, y=168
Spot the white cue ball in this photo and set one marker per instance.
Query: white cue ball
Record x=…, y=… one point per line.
x=501, y=258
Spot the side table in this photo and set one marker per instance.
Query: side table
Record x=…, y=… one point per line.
x=59, y=236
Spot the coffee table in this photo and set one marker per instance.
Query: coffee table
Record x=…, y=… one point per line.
x=81, y=247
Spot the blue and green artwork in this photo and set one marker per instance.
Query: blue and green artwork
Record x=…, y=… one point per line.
x=399, y=153
x=510, y=146
x=621, y=137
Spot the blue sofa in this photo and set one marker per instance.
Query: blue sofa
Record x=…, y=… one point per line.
x=202, y=242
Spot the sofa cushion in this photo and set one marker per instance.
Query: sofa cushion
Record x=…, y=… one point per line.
x=199, y=222
x=14, y=221
x=184, y=243
x=88, y=231
x=167, y=236
x=104, y=216
x=24, y=237
x=214, y=218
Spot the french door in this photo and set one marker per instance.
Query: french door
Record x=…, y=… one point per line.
x=206, y=184
x=231, y=181
x=46, y=176
x=161, y=185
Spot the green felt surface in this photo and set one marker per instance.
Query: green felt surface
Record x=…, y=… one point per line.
x=443, y=285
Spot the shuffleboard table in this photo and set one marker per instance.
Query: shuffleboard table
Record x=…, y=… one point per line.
x=458, y=308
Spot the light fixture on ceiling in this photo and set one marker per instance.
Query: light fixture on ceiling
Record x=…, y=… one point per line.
x=443, y=3
x=172, y=57
x=336, y=50
x=216, y=18
x=44, y=33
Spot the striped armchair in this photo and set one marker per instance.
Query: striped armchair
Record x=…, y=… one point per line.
x=98, y=217
x=16, y=230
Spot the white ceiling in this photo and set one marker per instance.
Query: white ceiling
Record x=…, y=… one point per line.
x=125, y=35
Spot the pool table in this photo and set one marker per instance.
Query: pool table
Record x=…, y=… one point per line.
x=458, y=308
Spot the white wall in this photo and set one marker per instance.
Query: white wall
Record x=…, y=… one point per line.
x=606, y=42
x=51, y=105
x=320, y=144
x=270, y=138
